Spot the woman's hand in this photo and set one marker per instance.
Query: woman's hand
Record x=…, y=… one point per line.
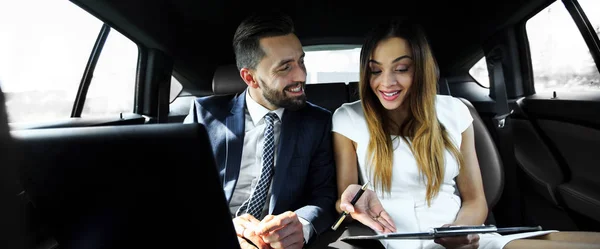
x=367, y=210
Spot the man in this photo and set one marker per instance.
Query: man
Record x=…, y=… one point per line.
x=295, y=171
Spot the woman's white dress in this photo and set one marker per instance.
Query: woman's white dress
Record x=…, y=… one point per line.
x=406, y=202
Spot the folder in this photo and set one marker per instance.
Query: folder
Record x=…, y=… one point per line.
x=440, y=232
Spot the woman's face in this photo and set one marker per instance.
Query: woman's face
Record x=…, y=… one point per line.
x=392, y=71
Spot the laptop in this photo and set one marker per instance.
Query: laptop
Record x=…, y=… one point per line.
x=129, y=186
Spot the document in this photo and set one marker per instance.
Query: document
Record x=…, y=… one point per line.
x=445, y=232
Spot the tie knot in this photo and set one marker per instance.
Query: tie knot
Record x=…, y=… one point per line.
x=270, y=118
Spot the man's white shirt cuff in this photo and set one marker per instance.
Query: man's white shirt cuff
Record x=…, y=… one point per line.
x=307, y=229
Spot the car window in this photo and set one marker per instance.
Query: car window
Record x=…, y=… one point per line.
x=479, y=72
x=175, y=89
x=112, y=89
x=44, y=54
x=326, y=63
x=560, y=57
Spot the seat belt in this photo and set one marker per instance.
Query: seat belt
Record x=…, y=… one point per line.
x=502, y=108
x=510, y=201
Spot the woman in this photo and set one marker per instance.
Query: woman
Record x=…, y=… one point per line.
x=416, y=148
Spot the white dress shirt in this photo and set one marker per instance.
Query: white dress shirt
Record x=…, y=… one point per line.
x=251, y=163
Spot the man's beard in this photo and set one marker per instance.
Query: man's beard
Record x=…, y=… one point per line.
x=279, y=98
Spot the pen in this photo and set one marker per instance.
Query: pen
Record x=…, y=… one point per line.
x=354, y=200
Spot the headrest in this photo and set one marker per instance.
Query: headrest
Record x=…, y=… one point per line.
x=227, y=80
x=443, y=87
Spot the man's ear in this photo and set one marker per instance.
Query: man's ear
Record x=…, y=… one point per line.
x=248, y=77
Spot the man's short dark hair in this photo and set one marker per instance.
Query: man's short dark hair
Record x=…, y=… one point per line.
x=246, y=41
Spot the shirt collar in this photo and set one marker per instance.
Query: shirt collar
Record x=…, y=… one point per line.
x=257, y=111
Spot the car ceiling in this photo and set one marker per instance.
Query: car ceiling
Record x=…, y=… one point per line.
x=198, y=34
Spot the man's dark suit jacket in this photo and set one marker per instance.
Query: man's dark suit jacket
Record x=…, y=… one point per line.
x=304, y=180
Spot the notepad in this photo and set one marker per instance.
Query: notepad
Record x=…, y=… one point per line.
x=445, y=232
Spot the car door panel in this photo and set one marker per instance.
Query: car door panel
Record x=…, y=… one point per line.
x=536, y=160
x=572, y=138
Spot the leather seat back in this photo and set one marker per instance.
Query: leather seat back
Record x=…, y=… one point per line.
x=490, y=162
x=327, y=95
x=227, y=80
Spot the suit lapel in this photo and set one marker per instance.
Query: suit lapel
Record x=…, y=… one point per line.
x=234, y=142
x=287, y=142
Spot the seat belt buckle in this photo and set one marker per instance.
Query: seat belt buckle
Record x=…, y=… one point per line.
x=501, y=119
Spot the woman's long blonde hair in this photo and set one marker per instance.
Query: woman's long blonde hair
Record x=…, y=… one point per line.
x=427, y=138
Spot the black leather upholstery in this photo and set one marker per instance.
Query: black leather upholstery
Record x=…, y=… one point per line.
x=581, y=198
x=442, y=86
x=536, y=160
x=104, y=187
x=353, y=94
x=490, y=162
x=489, y=158
x=227, y=80
x=329, y=96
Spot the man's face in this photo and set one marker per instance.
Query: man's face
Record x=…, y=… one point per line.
x=281, y=74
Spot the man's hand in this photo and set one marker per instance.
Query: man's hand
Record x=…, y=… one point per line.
x=245, y=244
x=245, y=227
x=470, y=241
x=368, y=209
x=282, y=231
